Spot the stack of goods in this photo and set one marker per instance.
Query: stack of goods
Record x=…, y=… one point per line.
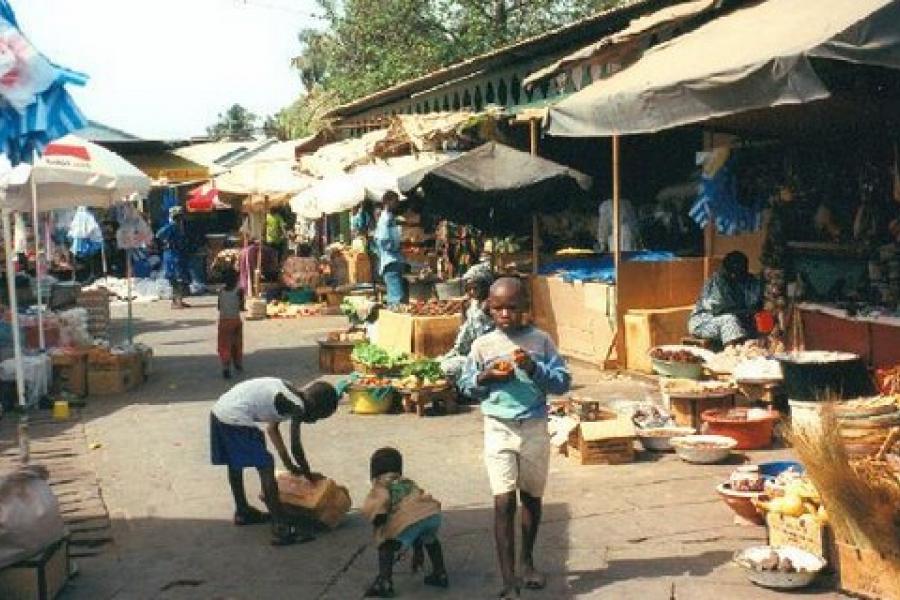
x=225, y=261
x=655, y=427
x=300, y=272
x=286, y=310
x=862, y=495
x=775, y=296
x=419, y=374
x=96, y=302
x=346, y=336
x=888, y=380
x=256, y=309
x=114, y=370
x=688, y=399
x=725, y=362
x=432, y=308
x=372, y=359
x=73, y=328
x=593, y=435
x=866, y=423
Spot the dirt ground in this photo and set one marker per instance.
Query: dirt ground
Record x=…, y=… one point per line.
x=654, y=529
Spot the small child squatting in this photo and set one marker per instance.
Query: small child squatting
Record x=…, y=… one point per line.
x=237, y=442
x=404, y=517
x=511, y=370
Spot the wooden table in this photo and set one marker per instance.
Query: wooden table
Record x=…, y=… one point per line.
x=417, y=400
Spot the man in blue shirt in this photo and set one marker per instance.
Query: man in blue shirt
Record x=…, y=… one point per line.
x=511, y=370
x=387, y=243
x=175, y=245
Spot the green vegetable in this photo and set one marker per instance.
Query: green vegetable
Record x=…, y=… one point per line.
x=375, y=356
x=425, y=369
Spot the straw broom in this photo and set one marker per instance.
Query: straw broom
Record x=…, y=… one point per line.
x=862, y=499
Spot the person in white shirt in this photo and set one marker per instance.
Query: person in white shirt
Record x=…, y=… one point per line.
x=237, y=442
x=629, y=230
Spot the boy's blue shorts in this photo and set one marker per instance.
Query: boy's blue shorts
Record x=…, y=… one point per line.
x=237, y=446
x=425, y=531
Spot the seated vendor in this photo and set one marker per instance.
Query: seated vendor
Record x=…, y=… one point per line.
x=478, y=280
x=725, y=309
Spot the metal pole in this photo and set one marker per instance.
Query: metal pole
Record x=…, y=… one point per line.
x=17, y=338
x=37, y=255
x=129, y=333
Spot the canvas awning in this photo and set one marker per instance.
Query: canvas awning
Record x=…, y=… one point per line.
x=495, y=187
x=752, y=58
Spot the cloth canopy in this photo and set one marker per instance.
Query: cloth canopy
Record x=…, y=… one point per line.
x=751, y=58
x=273, y=178
x=494, y=186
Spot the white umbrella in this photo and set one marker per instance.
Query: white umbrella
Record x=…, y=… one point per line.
x=333, y=194
x=264, y=178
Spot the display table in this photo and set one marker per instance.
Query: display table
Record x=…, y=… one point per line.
x=424, y=337
x=876, y=338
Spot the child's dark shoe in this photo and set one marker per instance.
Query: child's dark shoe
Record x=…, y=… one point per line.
x=437, y=580
x=226, y=373
x=284, y=534
x=380, y=588
x=239, y=368
x=251, y=516
x=510, y=593
x=418, y=557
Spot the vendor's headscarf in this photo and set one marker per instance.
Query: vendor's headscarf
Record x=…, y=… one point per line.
x=479, y=274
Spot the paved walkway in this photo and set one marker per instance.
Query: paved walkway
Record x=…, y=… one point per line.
x=652, y=530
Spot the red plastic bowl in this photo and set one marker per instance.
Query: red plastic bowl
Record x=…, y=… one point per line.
x=751, y=434
x=742, y=503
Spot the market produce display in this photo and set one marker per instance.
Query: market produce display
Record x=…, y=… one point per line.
x=372, y=355
x=433, y=308
x=783, y=567
x=421, y=373
x=675, y=386
x=282, y=310
x=680, y=356
x=346, y=336
x=795, y=497
x=732, y=356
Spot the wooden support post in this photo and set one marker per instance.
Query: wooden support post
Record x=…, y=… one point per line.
x=535, y=224
x=619, y=338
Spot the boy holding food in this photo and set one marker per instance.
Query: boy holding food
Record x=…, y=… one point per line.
x=511, y=370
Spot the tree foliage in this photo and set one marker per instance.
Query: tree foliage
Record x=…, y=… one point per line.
x=372, y=44
x=235, y=124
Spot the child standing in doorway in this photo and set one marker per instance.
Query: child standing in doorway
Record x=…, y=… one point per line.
x=231, y=328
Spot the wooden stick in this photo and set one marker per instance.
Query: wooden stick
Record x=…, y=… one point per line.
x=892, y=438
x=535, y=225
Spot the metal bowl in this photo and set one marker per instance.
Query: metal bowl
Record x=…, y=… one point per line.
x=659, y=439
x=687, y=450
x=809, y=563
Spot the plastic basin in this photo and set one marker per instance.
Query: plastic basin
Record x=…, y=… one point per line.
x=817, y=376
x=750, y=434
x=742, y=503
x=371, y=401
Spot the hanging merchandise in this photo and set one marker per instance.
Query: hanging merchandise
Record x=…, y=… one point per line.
x=719, y=196
x=205, y=198
x=133, y=231
x=85, y=233
x=20, y=238
x=169, y=201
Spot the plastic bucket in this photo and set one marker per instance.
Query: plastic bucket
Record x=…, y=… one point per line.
x=765, y=322
x=750, y=434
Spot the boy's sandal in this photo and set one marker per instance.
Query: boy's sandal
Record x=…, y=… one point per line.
x=509, y=594
x=437, y=580
x=285, y=535
x=380, y=588
x=251, y=516
x=534, y=581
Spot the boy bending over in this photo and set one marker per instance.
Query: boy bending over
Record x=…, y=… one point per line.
x=237, y=442
x=511, y=370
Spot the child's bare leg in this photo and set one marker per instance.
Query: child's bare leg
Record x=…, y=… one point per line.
x=438, y=576
x=383, y=586
x=531, y=520
x=270, y=492
x=236, y=481
x=505, y=538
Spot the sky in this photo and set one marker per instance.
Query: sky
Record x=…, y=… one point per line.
x=164, y=69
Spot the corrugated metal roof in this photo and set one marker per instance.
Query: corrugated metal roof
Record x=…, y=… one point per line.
x=548, y=44
x=100, y=133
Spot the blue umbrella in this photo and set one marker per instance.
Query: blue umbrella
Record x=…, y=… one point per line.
x=28, y=122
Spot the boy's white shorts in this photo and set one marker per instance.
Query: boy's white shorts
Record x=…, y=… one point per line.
x=517, y=455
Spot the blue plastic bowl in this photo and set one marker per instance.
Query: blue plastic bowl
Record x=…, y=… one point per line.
x=772, y=469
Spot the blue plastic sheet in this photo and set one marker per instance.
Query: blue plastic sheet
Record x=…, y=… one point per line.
x=600, y=269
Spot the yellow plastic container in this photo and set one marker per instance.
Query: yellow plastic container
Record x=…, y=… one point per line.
x=364, y=402
x=61, y=409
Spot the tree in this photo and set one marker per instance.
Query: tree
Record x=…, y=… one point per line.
x=235, y=124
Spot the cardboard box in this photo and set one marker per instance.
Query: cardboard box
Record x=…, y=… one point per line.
x=419, y=336
x=41, y=577
x=108, y=382
x=803, y=532
x=70, y=373
x=606, y=442
x=645, y=329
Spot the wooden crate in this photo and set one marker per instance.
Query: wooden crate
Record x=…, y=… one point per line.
x=645, y=329
x=334, y=357
x=868, y=574
x=41, y=577
x=805, y=533
x=608, y=442
x=107, y=382
x=687, y=409
x=434, y=336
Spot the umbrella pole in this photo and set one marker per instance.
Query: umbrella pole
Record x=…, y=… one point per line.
x=37, y=257
x=619, y=339
x=16, y=334
x=129, y=333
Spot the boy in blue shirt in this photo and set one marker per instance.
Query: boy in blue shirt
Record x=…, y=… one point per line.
x=511, y=370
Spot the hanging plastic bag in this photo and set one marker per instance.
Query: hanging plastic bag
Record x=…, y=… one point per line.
x=133, y=231
x=29, y=514
x=86, y=235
